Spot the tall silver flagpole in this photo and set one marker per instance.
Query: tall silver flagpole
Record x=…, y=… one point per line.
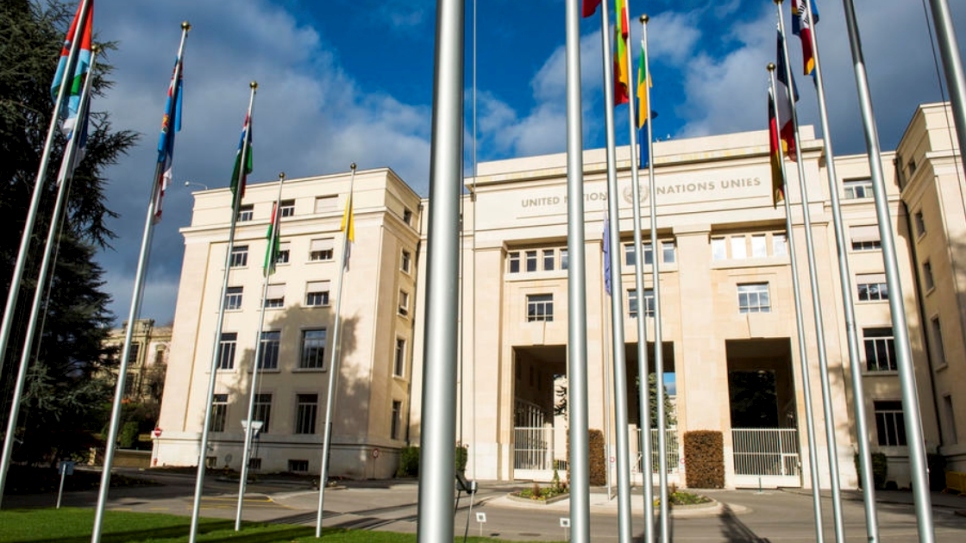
x=643, y=372
x=800, y=328
x=845, y=277
x=63, y=189
x=335, y=363
x=247, y=423
x=437, y=470
x=828, y=411
x=616, y=295
x=213, y=368
x=953, y=66
x=907, y=377
x=135, y=308
x=38, y=191
x=656, y=255
x=576, y=292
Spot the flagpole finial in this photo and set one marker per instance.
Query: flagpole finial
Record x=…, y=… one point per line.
x=185, y=25
x=96, y=48
x=352, y=166
x=645, y=19
x=253, y=85
x=778, y=1
x=281, y=176
x=771, y=66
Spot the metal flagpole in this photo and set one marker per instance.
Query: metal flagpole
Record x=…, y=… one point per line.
x=656, y=254
x=830, y=441
x=907, y=378
x=213, y=368
x=616, y=295
x=643, y=371
x=438, y=435
x=64, y=178
x=576, y=292
x=334, y=364
x=855, y=359
x=800, y=327
x=247, y=423
x=953, y=66
x=38, y=191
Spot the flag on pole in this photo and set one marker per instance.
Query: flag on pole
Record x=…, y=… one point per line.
x=643, y=83
x=605, y=246
x=79, y=131
x=785, y=102
x=621, y=77
x=775, y=154
x=349, y=227
x=83, y=66
x=170, y=123
x=243, y=164
x=271, y=252
x=802, y=27
x=590, y=7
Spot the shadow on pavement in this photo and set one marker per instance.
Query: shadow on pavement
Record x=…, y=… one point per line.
x=159, y=533
x=736, y=531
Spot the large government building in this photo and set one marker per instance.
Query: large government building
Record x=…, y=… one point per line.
x=731, y=350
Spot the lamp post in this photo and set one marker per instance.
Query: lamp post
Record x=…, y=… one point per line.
x=189, y=183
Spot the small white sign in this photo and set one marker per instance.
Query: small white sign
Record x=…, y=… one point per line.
x=481, y=517
x=565, y=522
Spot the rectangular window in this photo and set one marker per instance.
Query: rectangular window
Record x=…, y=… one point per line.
x=396, y=421
x=890, y=424
x=927, y=276
x=407, y=261
x=513, y=259
x=880, y=349
x=648, y=254
x=219, y=413
x=275, y=296
x=408, y=217
x=759, y=246
x=313, y=349
x=531, y=261
x=539, y=307
x=324, y=204
x=920, y=224
x=857, y=188
x=132, y=355
x=549, y=257
x=287, y=208
x=937, y=342
x=226, y=350
x=754, y=298
x=739, y=249
x=648, y=302
x=872, y=287
x=298, y=466
x=317, y=293
x=403, y=303
x=233, y=298
x=263, y=411
x=719, y=249
x=668, y=249
x=951, y=436
x=322, y=250
x=564, y=259
x=283, y=252
x=630, y=255
x=865, y=238
x=239, y=256
x=268, y=358
x=399, y=362
x=306, y=409
x=779, y=245
x=246, y=212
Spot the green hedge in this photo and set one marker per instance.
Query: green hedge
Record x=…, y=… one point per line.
x=409, y=460
x=704, y=459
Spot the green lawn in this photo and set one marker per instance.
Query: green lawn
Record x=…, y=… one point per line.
x=71, y=525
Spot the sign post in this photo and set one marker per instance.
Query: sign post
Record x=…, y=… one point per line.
x=66, y=468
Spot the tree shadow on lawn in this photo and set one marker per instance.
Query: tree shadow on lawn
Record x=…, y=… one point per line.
x=170, y=532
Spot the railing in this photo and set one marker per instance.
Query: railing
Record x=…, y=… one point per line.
x=533, y=448
x=671, y=447
x=765, y=451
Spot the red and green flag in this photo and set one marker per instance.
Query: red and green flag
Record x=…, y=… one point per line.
x=75, y=83
x=243, y=160
x=621, y=77
x=273, y=236
x=775, y=154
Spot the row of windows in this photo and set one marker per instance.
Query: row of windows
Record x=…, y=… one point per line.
x=320, y=250
x=533, y=260
x=323, y=204
x=741, y=246
x=306, y=415
x=311, y=351
x=316, y=295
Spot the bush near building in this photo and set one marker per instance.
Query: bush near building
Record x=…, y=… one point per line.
x=704, y=459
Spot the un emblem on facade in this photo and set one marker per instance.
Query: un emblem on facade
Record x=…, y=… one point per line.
x=628, y=193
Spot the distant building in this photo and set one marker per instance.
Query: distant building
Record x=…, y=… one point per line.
x=727, y=306
x=147, y=360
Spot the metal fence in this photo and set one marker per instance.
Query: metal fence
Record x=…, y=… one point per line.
x=533, y=448
x=672, y=450
x=765, y=451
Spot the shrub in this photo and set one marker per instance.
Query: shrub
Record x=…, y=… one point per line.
x=704, y=459
x=597, y=458
x=880, y=469
x=408, y=462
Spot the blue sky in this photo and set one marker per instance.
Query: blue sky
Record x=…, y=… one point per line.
x=351, y=81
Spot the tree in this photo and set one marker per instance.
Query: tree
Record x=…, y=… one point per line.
x=63, y=406
x=560, y=407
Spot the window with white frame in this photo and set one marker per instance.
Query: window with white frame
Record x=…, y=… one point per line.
x=865, y=238
x=759, y=246
x=219, y=413
x=857, y=188
x=275, y=296
x=325, y=204
x=753, y=298
x=263, y=411
x=239, y=256
x=407, y=261
x=539, y=307
x=669, y=252
x=630, y=255
x=284, y=249
x=719, y=249
x=872, y=287
x=779, y=245
x=306, y=410
x=313, y=349
x=403, y=303
x=399, y=360
x=739, y=248
x=322, y=249
x=233, y=298
x=564, y=259
x=549, y=259
x=317, y=293
x=287, y=208
x=268, y=357
x=513, y=262
x=632, y=304
x=890, y=426
x=880, y=349
x=531, y=260
x=246, y=212
x=226, y=350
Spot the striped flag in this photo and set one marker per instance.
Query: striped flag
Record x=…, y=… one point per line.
x=802, y=23
x=77, y=138
x=74, y=83
x=775, y=154
x=590, y=7
x=243, y=160
x=621, y=77
x=785, y=102
x=271, y=252
x=170, y=124
x=349, y=227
